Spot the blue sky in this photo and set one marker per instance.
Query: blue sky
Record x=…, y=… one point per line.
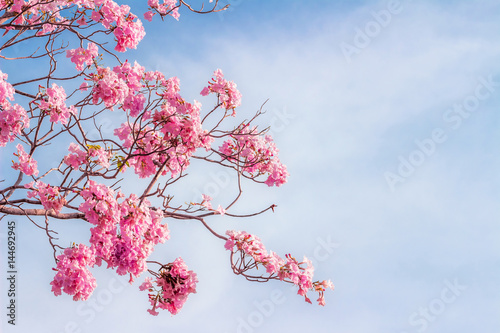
x=386, y=115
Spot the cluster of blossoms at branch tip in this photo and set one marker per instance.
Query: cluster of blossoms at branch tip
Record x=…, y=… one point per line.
x=81, y=56
x=27, y=164
x=76, y=157
x=73, y=276
x=53, y=102
x=229, y=96
x=207, y=203
x=167, y=7
x=126, y=27
x=258, y=155
x=125, y=233
x=49, y=196
x=171, y=287
x=169, y=135
x=289, y=269
x=13, y=118
x=128, y=30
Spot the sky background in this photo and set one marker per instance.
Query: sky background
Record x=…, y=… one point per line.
x=386, y=115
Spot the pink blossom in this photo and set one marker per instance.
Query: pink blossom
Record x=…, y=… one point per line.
x=258, y=155
x=27, y=164
x=73, y=276
x=149, y=15
x=102, y=155
x=81, y=56
x=171, y=135
x=167, y=7
x=206, y=202
x=220, y=210
x=49, y=196
x=82, y=21
x=146, y=285
x=77, y=156
x=13, y=118
x=55, y=105
x=174, y=282
x=226, y=91
x=46, y=28
x=109, y=88
x=96, y=16
x=84, y=86
x=6, y=89
x=290, y=270
x=125, y=233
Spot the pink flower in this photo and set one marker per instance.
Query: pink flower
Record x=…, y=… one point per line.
x=82, y=21
x=49, y=196
x=73, y=276
x=77, y=156
x=206, y=201
x=13, y=118
x=96, y=16
x=27, y=164
x=102, y=155
x=175, y=282
x=6, y=89
x=108, y=88
x=168, y=7
x=149, y=15
x=146, y=285
x=81, y=56
x=227, y=92
x=84, y=86
x=125, y=233
x=289, y=270
x=46, y=28
x=220, y=210
x=55, y=105
x=258, y=155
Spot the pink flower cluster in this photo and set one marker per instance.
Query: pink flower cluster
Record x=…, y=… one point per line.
x=76, y=157
x=172, y=287
x=128, y=30
x=226, y=91
x=54, y=104
x=132, y=76
x=73, y=276
x=13, y=118
x=169, y=135
x=102, y=155
x=49, y=196
x=299, y=273
x=168, y=7
x=108, y=88
x=7, y=91
x=27, y=164
x=81, y=56
x=258, y=155
x=125, y=233
x=119, y=86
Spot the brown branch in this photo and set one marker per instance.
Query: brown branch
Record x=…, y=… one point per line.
x=41, y=212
